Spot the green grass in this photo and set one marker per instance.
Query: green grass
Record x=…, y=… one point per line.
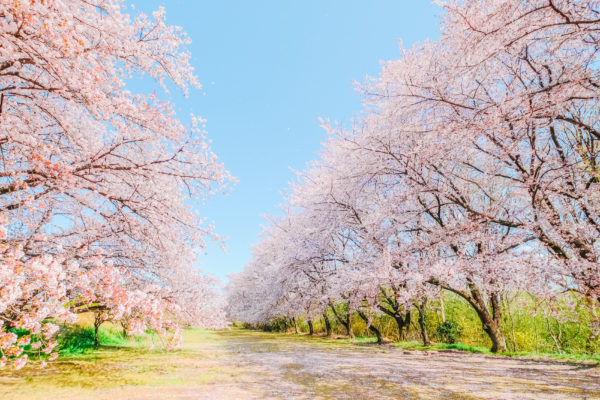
x=567, y=357
x=77, y=339
x=364, y=340
x=418, y=346
x=462, y=347
x=119, y=364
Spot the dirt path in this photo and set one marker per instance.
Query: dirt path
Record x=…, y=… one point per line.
x=252, y=365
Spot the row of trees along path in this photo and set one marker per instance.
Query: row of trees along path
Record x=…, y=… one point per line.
x=473, y=168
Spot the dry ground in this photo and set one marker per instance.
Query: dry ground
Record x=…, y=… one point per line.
x=251, y=365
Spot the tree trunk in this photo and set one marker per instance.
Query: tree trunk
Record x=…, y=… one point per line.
x=295, y=325
x=402, y=319
x=327, y=324
x=344, y=321
x=403, y=323
x=443, y=309
x=125, y=327
x=97, y=322
x=491, y=323
x=407, y=323
x=498, y=340
x=349, y=324
x=400, y=323
x=424, y=335
x=310, y=328
x=371, y=327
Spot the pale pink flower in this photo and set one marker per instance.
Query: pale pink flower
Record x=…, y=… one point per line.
x=20, y=362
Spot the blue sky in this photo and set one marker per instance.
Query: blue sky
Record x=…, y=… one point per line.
x=269, y=69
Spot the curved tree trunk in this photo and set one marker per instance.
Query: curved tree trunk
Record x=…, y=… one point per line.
x=371, y=327
x=349, y=324
x=400, y=324
x=343, y=320
x=401, y=315
x=310, y=328
x=490, y=322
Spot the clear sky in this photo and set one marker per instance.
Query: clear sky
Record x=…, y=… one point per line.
x=269, y=69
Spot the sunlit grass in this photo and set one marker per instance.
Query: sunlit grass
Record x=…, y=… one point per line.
x=364, y=340
x=418, y=346
x=117, y=363
x=567, y=357
x=76, y=339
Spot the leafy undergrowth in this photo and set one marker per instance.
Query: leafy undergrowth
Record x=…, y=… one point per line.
x=442, y=346
x=418, y=346
x=567, y=357
x=76, y=339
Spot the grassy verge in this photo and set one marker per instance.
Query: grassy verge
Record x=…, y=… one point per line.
x=566, y=357
x=120, y=364
x=418, y=346
x=76, y=339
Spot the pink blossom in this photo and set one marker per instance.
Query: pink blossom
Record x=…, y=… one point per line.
x=20, y=362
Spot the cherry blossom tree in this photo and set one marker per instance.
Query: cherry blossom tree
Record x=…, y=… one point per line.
x=541, y=60
x=472, y=169
x=98, y=182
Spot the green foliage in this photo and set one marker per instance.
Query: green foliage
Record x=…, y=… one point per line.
x=277, y=325
x=449, y=332
x=77, y=339
x=463, y=315
x=567, y=325
x=462, y=347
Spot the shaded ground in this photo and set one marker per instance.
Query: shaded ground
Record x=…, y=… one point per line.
x=251, y=365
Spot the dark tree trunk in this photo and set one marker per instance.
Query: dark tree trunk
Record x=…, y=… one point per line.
x=346, y=321
x=400, y=323
x=403, y=325
x=491, y=323
x=125, y=327
x=295, y=325
x=310, y=328
x=371, y=327
x=97, y=322
x=327, y=324
x=349, y=324
x=391, y=307
x=424, y=335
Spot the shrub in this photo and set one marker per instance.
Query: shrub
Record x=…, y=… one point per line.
x=449, y=331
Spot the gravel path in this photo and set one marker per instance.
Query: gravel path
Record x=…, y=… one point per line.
x=307, y=369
